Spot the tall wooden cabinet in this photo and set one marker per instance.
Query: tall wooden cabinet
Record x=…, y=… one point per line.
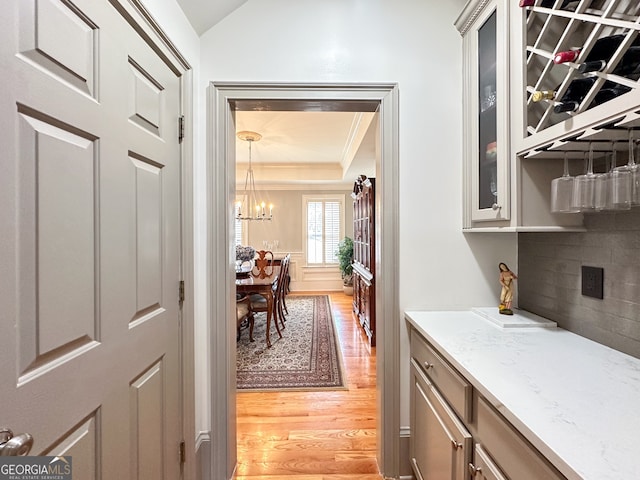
x=364, y=301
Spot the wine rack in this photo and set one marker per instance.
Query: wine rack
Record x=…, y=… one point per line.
x=554, y=26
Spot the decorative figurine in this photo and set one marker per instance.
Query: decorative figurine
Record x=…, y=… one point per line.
x=506, y=295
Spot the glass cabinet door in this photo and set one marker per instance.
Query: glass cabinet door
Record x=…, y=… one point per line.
x=486, y=115
x=487, y=118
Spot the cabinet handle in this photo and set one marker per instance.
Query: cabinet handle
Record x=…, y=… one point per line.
x=428, y=365
x=495, y=206
x=473, y=470
x=455, y=445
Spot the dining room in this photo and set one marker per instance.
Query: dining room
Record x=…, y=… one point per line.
x=297, y=336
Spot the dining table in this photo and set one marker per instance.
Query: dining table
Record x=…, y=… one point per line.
x=264, y=286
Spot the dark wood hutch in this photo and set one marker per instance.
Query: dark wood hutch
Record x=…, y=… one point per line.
x=364, y=295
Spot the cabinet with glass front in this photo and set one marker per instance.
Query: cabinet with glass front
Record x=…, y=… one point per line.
x=484, y=27
x=575, y=93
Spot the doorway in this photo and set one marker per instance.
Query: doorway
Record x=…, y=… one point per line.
x=224, y=99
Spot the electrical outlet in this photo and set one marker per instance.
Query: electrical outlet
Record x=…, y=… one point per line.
x=592, y=282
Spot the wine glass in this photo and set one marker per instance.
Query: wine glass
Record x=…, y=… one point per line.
x=584, y=187
x=619, y=191
x=633, y=170
x=562, y=191
x=602, y=187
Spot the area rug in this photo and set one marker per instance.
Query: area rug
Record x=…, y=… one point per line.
x=307, y=357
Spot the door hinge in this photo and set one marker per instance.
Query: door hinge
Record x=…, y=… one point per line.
x=182, y=452
x=181, y=292
x=180, y=128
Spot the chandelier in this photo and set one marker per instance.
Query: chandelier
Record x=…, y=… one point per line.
x=250, y=208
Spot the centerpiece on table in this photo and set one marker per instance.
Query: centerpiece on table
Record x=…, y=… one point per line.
x=244, y=259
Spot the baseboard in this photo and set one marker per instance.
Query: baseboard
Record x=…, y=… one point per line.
x=406, y=472
x=203, y=456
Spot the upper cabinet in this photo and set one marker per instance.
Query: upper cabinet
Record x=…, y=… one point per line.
x=484, y=27
x=570, y=87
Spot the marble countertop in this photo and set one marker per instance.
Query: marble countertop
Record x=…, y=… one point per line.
x=576, y=401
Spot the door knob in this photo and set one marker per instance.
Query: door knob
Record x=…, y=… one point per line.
x=14, y=445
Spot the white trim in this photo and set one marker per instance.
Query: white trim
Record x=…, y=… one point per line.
x=202, y=438
x=221, y=187
x=469, y=14
x=306, y=185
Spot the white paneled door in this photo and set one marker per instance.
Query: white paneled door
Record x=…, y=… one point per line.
x=89, y=240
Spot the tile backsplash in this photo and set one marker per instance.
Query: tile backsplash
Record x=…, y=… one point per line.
x=549, y=278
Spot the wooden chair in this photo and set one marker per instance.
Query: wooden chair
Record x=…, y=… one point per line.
x=283, y=284
x=259, y=303
x=244, y=315
x=264, y=264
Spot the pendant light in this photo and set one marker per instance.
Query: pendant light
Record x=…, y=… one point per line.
x=251, y=208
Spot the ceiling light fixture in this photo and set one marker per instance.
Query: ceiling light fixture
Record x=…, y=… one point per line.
x=250, y=208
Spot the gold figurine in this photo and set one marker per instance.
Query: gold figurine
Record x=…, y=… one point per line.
x=506, y=295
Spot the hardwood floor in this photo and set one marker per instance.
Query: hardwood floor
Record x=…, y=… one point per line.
x=327, y=435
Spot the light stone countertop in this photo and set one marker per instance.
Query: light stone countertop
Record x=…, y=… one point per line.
x=576, y=401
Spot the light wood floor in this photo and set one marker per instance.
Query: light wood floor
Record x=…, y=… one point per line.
x=327, y=435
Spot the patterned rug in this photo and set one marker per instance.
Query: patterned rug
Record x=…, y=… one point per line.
x=307, y=357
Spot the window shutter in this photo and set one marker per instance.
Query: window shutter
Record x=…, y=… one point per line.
x=324, y=228
x=238, y=232
x=314, y=232
x=331, y=231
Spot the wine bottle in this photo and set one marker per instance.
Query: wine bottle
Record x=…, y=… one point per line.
x=569, y=5
x=566, y=56
x=540, y=95
x=576, y=91
x=609, y=91
x=566, y=4
x=629, y=65
x=601, y=52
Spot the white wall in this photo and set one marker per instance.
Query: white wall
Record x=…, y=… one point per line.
x=413, y=43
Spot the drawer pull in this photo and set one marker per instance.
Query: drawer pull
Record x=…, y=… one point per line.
x=428, y=365
x=455, y=445
x=473, y=470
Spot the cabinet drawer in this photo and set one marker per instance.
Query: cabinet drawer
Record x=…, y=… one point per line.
x=517, y=458
x=451, y=384
x=483, y=467
x=440, y=446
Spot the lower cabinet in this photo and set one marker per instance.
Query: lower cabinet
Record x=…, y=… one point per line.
x=441, y=447
x=483, y=466
x=456, y=434
x=516, y=457
x=364, y=302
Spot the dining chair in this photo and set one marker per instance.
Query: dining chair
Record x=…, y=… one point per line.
x=281, y=294
x=244, y=315
x=260, y=304
x=263, y=264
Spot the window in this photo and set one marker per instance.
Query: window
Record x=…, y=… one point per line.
x=324, y=221
x=240, y=226
x=238, y=232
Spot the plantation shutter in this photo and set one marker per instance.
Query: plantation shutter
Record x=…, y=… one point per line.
x=238, y=232
x=324, y=221
x=331, y=231
x=314, y=232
